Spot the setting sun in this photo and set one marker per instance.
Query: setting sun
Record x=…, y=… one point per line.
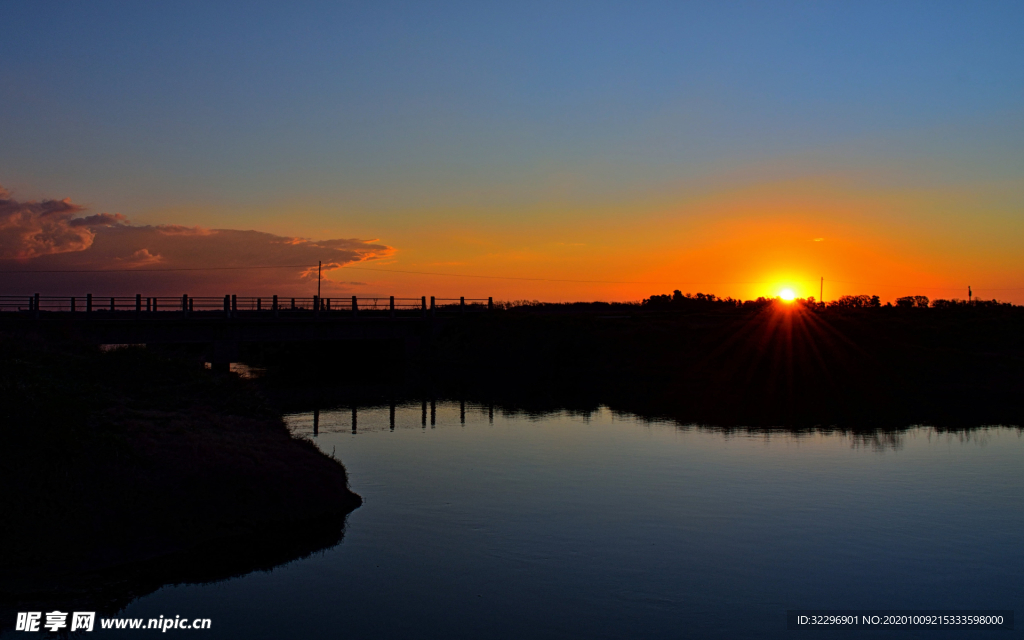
x=787, y=295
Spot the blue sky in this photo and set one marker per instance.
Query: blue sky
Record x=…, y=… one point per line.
x=374, y=118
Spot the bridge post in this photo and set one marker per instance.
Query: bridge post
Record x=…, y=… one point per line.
x=259, y=304
x=274, y=306
x=316, y=306
x=88, y=303
x=433, y=306
x=72, y=304
x=293, y=304
x=462, y=303
x=355, y=307
x=227, y=306
x=392, y=307
x=353, y=418
x=490, y=304
x=423, y=417
x=234, y=304
x=423, y=302
x=138, y=304
x=36, y=305
x=184, y=305
x=328, y=306
x=392, y=414
x=113, y=305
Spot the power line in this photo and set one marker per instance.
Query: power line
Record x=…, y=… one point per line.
x=914, y=286
x=464, y=275
x=422, y=273
x=277, y=266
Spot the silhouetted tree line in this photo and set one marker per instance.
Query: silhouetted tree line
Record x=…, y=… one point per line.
x=913, y=302
x=679, y=299
x=709, y=301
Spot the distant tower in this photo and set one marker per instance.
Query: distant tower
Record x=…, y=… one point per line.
x=969, y=293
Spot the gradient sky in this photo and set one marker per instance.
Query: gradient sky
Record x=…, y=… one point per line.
x=726, y=147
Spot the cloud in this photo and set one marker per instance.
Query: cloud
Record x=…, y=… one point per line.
x=819, y=239
x=105, y=250
x=140, y=258
x=32, y=229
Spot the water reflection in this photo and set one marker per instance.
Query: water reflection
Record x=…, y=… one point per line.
x=506, y=523
x=400, y=414
x=110, y=591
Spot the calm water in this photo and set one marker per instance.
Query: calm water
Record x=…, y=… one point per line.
x=603, y=526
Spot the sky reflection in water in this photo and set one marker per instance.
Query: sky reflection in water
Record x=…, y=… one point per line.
x=602, y=526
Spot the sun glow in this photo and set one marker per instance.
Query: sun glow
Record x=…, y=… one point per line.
x=787, y=295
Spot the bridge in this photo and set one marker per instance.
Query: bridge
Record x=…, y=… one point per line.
x=222, y=326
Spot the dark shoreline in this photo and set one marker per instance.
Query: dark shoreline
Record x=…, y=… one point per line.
x=756, y=367
x=769, y=365
x=760, y=365
x=126, y=470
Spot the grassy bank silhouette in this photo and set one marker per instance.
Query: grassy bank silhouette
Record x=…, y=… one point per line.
x=127, y=469
x=703, y=359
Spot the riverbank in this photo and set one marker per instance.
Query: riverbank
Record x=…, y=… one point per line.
x=716, y=363
x=128, y=467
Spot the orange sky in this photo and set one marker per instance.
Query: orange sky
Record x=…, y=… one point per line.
x=742, y=241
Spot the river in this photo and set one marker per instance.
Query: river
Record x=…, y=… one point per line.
x=600, y=525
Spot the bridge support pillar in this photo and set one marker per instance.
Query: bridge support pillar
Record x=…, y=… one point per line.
x=221, y=354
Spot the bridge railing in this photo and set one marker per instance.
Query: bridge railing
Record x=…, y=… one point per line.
x=233, y=306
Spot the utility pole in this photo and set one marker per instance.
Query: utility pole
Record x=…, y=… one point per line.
x=320, y=264
x=821, y=294
x=969, y=294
